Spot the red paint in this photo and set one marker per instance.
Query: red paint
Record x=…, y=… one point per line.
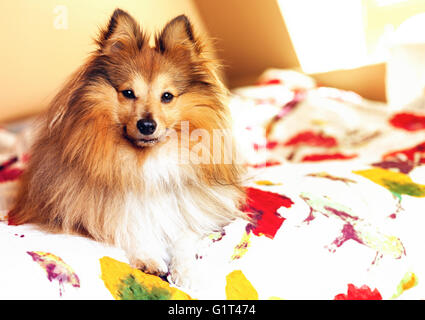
x=269, y=145
x=414, y=154
x=266, y=164
x=327, y=156
x=8, y=163
x=270, y=81
x=10, y=174
x=262, y=206
x=408, y=121
x=310, y=138
x=362, y=293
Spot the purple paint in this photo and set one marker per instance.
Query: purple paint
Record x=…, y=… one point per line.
x=343, y=215
x=56, y=269
x=402, y=166
x=347, y=233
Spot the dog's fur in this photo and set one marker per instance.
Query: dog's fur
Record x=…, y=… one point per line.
x=91, y=173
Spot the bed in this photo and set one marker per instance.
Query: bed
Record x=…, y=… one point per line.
x=335, y=186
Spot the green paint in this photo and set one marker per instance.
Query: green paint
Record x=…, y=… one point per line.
x=131, y=289
x=409, y=188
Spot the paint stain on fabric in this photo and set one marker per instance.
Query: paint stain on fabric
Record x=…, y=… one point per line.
x=354, y=228
x=312, y=139
x=268, y=163
x=415, y=154
x=328, y=176
x=10, y=174
x=216, y=236
x=327, y=156
x=299, y=96
x=396, y=182
x=56, y=269
x=362, y=293
x=402, y=166
x=131, y=289
x=408, y=121
x=125, y=282
x=242, y=247
x=409, y=281
x=262, y=207
x=238, y=287
x=267, y=183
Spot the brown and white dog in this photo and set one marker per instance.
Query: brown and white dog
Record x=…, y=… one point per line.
x=107, y=161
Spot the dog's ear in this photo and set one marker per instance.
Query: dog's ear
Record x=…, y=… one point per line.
x=177, y=33
x=122, y=32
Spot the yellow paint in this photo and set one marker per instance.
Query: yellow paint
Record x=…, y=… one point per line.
x=238, y=287
x=242, y=247
x=113, y=272
x=409, y=281
x=388, y=179
x=267, y=183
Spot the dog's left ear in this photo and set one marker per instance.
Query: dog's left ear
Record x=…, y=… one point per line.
x=178, y=33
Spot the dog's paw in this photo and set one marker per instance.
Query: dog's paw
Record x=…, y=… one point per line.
x=183, y=275
x=150, y=266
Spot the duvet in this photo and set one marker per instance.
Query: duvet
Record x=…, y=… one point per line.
x=335, y=187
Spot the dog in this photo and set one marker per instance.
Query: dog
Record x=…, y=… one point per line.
x=112, y=159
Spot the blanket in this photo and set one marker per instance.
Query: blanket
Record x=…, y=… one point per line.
x=335, y=187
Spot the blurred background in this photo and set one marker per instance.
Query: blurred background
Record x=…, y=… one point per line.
x=373, y=47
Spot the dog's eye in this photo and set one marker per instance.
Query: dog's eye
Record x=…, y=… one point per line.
x=167, y=97
x=129, y=94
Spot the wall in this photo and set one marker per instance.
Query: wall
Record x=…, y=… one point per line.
x=250, y=36
x=37, y=55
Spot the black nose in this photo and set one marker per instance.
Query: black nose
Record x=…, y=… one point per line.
x=146, y=126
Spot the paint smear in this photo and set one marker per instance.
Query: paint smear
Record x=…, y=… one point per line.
x=263, y=206
x=328, y=176
x=56, y=269
x=396, y=182
x=402, y=166
x=242, y=247
x=408, y=121
x=312, y=139
x=238, y=287
x=354, y=228
x=362, y=293
x=409, y=281
x=415, y=154
x=267, y=183
x=268, y=163
x=327, y=156
x=125, y=282
x=10, y=174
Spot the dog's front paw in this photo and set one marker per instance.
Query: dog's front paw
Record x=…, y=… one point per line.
x=183, y=274
x=156, y=268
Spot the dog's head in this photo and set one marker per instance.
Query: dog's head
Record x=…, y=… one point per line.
x=147, y=91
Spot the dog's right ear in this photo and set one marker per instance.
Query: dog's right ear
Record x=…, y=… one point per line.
x=122, y=32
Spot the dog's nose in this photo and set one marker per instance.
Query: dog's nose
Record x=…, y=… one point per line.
x=146, y=126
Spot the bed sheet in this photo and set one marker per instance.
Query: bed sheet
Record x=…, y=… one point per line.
x=335, y=185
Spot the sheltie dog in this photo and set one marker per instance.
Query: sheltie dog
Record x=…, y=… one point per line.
x=114, y=156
